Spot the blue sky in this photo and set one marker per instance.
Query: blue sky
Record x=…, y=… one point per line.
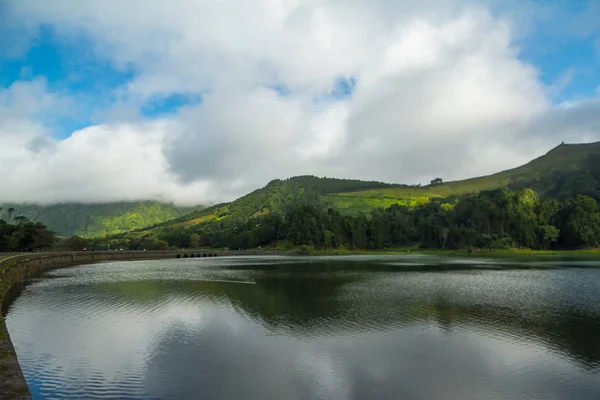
x=70, y=67
x=568, y=44
x=574, y=57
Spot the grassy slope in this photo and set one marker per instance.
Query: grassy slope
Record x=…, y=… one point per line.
x=538, y=173
x=98, y=219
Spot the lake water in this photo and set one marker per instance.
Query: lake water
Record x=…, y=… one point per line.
x=381, y=327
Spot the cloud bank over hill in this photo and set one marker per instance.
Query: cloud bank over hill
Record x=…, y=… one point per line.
x=217, y=98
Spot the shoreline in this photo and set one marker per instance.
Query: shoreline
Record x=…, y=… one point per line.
x=480, y=253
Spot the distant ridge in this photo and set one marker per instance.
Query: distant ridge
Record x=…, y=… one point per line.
x=91, y=220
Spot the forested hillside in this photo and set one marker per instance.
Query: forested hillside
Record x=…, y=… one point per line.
x=565, y=171
x=92, y=220
x=551, y=202
x=499, y=218
x=277, y=195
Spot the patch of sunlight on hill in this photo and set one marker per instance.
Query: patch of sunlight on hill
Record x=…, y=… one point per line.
x=365, y=201
x=355, y=204
x=195, y=221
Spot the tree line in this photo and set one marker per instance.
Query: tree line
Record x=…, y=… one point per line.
x=18, y=233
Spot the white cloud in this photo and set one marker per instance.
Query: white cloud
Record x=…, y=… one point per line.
x=440, y=91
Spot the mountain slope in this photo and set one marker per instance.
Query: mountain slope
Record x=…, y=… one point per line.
x=564, y=171
x=92, y=220
x=277, y=196
x=546, y=174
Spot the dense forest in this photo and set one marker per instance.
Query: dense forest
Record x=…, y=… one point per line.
x=499, y=218
x=20, y=234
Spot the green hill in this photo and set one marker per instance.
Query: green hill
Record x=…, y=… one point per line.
x=277, y=195
x=565, y=171
x=290, y=213
x=93, y=220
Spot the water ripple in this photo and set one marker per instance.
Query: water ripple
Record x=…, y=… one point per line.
x=349, y=327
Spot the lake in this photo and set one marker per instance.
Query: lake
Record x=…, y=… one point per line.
x=357, y=327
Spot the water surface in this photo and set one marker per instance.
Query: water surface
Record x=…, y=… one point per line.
x=384, y=327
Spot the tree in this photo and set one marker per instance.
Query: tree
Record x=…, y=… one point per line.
x=135, y=243
x=75, y=243
x=195, y=240
x=548, y=235
x=328, y=239
x=26, y=236
x=21, y=220
x=470, y=238
x=579, y=223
